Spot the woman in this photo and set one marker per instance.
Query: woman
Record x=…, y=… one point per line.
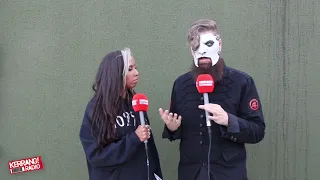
x=111, y=134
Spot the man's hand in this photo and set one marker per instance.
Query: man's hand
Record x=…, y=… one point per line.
x=219, y=115
x=172, y=121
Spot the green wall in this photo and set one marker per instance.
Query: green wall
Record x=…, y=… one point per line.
x=50, y=51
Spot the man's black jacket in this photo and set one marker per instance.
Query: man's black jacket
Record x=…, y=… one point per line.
x=236, y=93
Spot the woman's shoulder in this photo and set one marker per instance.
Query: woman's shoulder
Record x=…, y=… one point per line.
x=91, y=103
x=88, y=111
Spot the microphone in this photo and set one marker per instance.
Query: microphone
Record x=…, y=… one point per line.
x=140, y=104
x=205, y=85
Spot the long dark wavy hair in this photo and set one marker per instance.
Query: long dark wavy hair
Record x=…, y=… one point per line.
x=109, y=88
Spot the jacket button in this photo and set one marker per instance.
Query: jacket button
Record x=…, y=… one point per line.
x=200, y=133
x=200, y=142
x=201, y=98
x=200, y=125
x=201, y=116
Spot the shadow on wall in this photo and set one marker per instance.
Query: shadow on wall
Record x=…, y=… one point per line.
x=2, y=57
x=1, y=152
x=1, y=72
x=1, y=61
x=1, y=86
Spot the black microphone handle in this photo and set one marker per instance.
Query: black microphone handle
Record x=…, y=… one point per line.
x=142, y=122
x=206, y=101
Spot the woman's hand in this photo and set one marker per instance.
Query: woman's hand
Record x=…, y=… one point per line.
x=143, y=132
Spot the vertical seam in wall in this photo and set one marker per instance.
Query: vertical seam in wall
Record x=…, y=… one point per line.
x=284, y=81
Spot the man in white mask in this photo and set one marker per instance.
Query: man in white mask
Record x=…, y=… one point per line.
x=205, y=46
x=234, y=108
x=208, y=49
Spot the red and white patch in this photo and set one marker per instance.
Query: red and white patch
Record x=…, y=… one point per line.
x=254, y=105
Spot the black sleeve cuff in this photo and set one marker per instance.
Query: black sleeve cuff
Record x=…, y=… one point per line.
x=233, y=124
x=171, y=135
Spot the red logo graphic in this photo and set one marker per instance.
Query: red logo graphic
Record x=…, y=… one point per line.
x=25, y=165
x=254, y=105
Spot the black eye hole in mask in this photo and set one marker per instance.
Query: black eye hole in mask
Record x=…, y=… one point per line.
x=209, y=43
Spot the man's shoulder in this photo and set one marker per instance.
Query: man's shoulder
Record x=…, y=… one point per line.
x=237, y=74
x=183, y=79
x=184, y=76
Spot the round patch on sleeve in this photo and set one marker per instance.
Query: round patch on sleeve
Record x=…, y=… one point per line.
x=254, y=105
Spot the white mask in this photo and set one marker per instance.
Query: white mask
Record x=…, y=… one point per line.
x=208, y=47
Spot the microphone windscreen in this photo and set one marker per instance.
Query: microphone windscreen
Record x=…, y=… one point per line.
x=140, y=102
x=205, y=83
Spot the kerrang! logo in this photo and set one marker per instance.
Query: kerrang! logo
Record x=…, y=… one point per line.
x=25, y=165
x=205, y=83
